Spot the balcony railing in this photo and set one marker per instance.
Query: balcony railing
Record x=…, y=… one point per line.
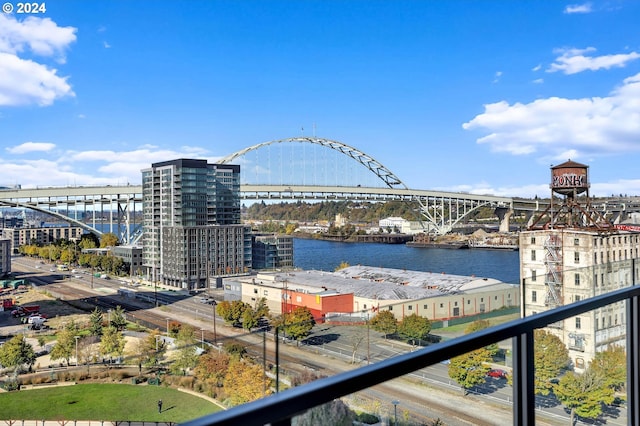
x=279, y=409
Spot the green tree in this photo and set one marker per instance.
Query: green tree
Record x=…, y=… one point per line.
x=470, y=369
x=415, y=327
x=16, y=352
x=186, y=355
x=385, y=322
x=299, y=323
x=481, y=325
x=112, y=343
x=65, y=343
x=118, y=319
x=335, y=413
x=551, y=356
x=95, y=322
x=611, y=364
x=584, y=394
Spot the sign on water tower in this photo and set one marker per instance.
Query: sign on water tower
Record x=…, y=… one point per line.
x=569, y=178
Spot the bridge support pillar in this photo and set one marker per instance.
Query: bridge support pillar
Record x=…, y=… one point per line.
x=503, y=214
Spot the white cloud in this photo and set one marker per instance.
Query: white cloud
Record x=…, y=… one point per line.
x=23, y=81
x=552, y=126
x=537, y=68
x=106, y=45
x=578, y=8
x=31, y=147
x=538, y=81
x=41, y=35
x=496, y=78
x=572, y=61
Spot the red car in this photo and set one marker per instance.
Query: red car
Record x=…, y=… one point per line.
x=497, y=373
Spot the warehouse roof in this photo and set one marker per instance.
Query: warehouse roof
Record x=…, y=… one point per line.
x=383, y=283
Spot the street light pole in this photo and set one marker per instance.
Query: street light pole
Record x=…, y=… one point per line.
x=76, y=337
x=395, y=411
x=215, y=336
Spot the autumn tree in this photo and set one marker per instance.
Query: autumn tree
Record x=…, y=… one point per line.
x=211, y=369
x=88, y=350
x=16, y=352
x=584, y=394
x=414, y=327
x=342, y=265
x=108, y=239
x=245, y=382
x=150, y=350
x=551, y=356
x=335, y=413
x=385, y=322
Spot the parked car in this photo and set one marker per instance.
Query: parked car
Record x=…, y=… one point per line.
x=497, y=373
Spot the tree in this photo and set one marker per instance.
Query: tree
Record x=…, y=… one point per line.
x=186, y=356
x=117, y=318
x=108, y=239
x=211, y=369
x=415, y=327
x=112, y=342
x=385, y=322
x=245, y=382
x=17, y=352
x=299, y=323
x=481, y=325
x=584, y=394
x=95, y=322
x=469, y=370
x=551, y=356
x=611, y=365
x=65, y=343
x=342, y=265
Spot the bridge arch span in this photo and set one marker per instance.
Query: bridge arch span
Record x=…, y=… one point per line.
x=384, y=174
x=54, y=214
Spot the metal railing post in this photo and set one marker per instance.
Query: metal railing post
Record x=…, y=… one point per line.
x=524, y=398
x=633, y=358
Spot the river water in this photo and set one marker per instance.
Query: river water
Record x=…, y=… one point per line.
x=327, y=255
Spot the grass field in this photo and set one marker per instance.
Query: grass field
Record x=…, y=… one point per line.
x=111, y=402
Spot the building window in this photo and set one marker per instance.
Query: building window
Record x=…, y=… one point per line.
x=533, y=255
x=576, y=241
x=576, y=257
x=577, y=323
x=425, y=306
x=533, y=275
x=534, y=296
x=410, y=307
x=266, y=292
x=442, y=305
x=455, y=303
x=576, y=298
x=468, y=301
x=533, y=240
x=576, y=280
x=255, y=291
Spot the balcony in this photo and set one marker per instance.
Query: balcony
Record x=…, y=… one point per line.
x=279, y=409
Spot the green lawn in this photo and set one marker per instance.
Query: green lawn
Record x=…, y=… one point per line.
x=111, y=402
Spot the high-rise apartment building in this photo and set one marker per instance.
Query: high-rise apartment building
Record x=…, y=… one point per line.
x=191, y=226
x=571, y=253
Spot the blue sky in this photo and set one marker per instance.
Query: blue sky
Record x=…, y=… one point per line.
x=476, y=96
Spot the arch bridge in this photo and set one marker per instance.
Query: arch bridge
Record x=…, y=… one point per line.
x=312, y=169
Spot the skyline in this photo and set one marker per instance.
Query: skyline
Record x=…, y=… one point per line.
x=480, y=97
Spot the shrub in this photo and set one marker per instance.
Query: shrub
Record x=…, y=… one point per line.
x=367, y=418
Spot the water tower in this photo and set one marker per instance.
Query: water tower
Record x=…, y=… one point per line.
x=570, y=205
